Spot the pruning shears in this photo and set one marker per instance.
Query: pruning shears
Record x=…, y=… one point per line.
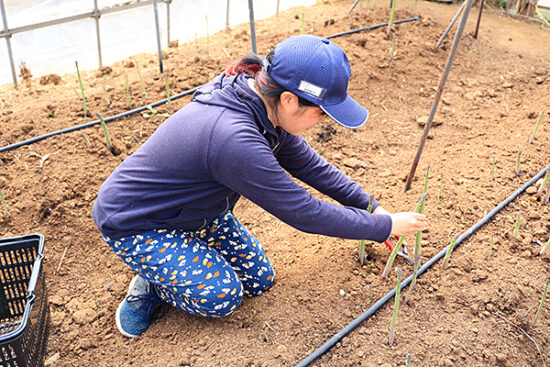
x=404, y=252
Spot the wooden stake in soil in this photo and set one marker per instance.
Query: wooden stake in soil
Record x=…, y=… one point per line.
x=479, y=18
x=541, y=302
x=391, y=337
x=438, y=93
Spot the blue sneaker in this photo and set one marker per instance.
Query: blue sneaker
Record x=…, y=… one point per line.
x=134, y=314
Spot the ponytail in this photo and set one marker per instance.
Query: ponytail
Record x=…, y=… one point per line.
x=251, y=64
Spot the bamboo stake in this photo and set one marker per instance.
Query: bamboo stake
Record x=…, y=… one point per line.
x=439, y=92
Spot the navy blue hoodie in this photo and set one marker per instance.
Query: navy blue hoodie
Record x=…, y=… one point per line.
x=221, y=146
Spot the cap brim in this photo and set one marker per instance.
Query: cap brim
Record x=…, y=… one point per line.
x=348, y=113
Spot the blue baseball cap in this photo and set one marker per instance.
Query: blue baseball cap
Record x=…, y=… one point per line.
x=318, y=71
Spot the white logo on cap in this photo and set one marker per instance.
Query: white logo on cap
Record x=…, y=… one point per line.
x=312, y=89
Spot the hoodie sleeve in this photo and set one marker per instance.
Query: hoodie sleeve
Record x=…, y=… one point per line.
x=243, y=161
x=304, y=163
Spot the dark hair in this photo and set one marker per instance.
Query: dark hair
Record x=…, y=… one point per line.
x=252, y=65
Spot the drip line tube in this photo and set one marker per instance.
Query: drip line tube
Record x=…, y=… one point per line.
x=370, y=28
x=143, y=108
x=96, y=122
x=352, y=325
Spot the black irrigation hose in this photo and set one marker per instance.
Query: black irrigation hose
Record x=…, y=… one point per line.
x=96, y=122
x=352, y=325
x=370, y=28
x=143, y=108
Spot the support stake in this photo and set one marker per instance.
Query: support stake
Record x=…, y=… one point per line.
x=479, y=18
x=159, y=50
x=8, y=42
x=439, y=92
x=450, y=25
x=252, y=27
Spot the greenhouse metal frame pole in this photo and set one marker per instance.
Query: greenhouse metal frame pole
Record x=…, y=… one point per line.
x=97, y=15
x=252, y=26
x=157, y=28
x=168, y=2
x=8, y=41
x=440, y=88
x=227, y=17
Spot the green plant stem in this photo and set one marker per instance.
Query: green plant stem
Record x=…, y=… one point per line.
x=409, y=357
x=126, y=85
x=397, y=247
x=449, y=252
x=546, y=248
x=81, y=89
x=167, y=91
x=391, y=338
x=3, y=202
x=417, y=251
x=392, y=52
x=439, y=193
x=88, y=144
x=541, y=302
x=536, y=127
x=106, y=132
x=517, y=163
x=493, y=169
x=141, y=79
x=491, y=248
x=107, y=99
x=303, y=22
x=390, y=23
x=516, y=228
x=362, y=254
x=544, y=182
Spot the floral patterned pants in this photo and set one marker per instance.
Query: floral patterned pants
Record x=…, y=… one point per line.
x=204, y=273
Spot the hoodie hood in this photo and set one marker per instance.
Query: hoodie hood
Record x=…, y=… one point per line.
x=224, y=91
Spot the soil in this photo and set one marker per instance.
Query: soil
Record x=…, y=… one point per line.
x=477, y=312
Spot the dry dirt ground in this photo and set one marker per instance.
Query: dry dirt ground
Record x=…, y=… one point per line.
x=477, y=312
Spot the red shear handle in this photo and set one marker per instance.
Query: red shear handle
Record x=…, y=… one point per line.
x=390, y=244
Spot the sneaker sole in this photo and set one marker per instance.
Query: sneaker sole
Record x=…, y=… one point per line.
x=117, y=314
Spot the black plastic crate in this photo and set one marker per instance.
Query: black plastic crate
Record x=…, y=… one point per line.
x=24, y=309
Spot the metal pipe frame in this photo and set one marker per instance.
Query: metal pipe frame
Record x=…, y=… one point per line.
x=252, y=26
x=8, y=41
x=157, y=28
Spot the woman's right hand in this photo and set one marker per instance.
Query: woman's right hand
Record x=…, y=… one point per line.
x=407, y=223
